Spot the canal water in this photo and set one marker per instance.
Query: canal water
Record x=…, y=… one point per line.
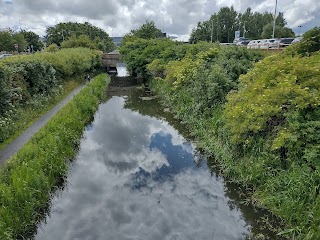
x=138, y=177
x=122, y=70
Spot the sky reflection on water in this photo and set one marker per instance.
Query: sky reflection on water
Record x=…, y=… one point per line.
x=136, y=177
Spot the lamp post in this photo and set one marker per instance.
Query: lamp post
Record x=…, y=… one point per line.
x=274, y=19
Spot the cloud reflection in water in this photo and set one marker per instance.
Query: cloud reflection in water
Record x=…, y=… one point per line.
x=136, y=178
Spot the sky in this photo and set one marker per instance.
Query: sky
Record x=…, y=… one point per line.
x=118, y=17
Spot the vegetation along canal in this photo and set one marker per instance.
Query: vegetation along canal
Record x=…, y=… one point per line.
x=137, y=176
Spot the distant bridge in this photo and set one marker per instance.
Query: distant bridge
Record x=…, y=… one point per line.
x=110, y=61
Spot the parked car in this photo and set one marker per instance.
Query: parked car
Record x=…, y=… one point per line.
x=251, y=44
x=243, y=43
x=297, y=40
x=284, y=42
x=254, y=44
x=268, y=43
x=225, y=44
x=5, y=55
x=240, y=39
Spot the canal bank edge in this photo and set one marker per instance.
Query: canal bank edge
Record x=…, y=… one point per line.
x=28, y=179
x=221, y=154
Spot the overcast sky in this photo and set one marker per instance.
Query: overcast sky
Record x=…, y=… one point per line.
x=118, y=17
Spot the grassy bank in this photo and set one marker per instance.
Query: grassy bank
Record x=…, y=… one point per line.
x=28, y=179
x=30, y=114
x=264, y=135
x=31, y=84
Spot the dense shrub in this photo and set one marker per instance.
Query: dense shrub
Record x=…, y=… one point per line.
x=72, y=61
x=137, y=53
x=309, y=44
x=31, y=79
x=24, y=78
x=266, y=136
x=28, y=179
x=278, y=105
x=52, y=48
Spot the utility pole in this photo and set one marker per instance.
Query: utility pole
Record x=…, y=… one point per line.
x=244, y=29
x=274, y=19
x=211, y=30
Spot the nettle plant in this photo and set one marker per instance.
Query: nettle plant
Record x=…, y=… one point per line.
x=277, y=106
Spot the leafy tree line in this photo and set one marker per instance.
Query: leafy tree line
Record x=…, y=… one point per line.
x=73, y=34
x=24, y=39
x=148, y=30
x=253, y=25
x=65, y=35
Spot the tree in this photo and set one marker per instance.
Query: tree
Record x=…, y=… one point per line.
x=52, y=48
x=147, y=30
x=6, y=41
x=63, y=31
x=311, y=40
x=309, y=44
x=201, y=32
x=227, y=21
x=33, y=39
x=280, y=32
x=19, y=39
x=80, y=41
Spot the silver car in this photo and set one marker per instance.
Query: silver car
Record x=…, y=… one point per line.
x=5, y=55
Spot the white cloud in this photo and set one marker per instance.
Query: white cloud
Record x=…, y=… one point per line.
x=119, y=17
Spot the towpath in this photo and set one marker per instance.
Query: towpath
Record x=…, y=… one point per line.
x=20, y=141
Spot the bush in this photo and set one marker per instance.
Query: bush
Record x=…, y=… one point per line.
x=72, y=61
x=32, y=79
x=309, y=44
x=52, y=48
x=278, y=105
x=266, y=136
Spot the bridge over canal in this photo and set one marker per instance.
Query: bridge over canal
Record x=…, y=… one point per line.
x=110, y=61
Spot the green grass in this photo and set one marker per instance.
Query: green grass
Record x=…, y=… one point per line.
x=30, y=115
x=28, y=178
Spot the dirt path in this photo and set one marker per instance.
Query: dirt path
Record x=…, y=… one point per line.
x=19, y=142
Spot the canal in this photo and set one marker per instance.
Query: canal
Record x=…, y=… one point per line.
x=138, y=176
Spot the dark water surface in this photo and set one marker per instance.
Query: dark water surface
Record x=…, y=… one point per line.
x=136, y=177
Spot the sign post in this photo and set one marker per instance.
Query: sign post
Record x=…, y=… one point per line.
x=236, y=34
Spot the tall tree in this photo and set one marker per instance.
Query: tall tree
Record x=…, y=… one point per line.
x=63, y=31
x=148, y=30
x=227, y=21
x=6, y=41
x=201, y=33
x=280, y=32
x=33, y=40
x=80, y=41
x=19, y=39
